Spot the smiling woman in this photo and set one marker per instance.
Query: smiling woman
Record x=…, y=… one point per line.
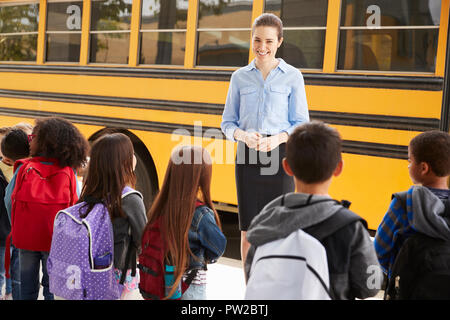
x=266, y=41
x=267, y=37
x=266, y=100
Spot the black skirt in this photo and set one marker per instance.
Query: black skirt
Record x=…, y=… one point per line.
x=260, y=178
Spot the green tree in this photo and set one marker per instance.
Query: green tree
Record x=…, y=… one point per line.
x=17, y=19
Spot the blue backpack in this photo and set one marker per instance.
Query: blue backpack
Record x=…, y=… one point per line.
x=81, y=260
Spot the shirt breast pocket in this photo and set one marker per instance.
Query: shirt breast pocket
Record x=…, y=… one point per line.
x=279, y=98
x=249, y=99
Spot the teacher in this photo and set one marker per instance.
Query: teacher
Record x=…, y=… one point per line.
x=266, y=100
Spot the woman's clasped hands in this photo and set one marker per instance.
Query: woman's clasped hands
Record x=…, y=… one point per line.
x=255, y=140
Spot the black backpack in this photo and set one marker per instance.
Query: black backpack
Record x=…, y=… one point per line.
x=421, y=270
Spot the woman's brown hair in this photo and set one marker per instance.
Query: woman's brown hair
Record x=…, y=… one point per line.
x=188, y=178
x=110, y=169
x=269, y=20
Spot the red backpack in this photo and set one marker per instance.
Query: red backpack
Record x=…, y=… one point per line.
x=152, y=269
x=151, y=263
x=42, y=189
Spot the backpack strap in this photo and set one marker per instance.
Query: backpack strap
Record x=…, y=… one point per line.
x=338, y=220
x=127, y=191
x=310, y=268
x=131, y=250
x=344, y=203
x=19, y=162
x=447, y=208
x=190, y=277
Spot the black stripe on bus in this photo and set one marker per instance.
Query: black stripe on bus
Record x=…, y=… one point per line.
x=158, y=73
x=153, y=104
x=376, y=121
x=426, y=83
x=337, y=118
x=349, y=146
x=375, y=81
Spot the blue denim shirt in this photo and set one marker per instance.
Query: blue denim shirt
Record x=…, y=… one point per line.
x=206, y=240
x=266, y=106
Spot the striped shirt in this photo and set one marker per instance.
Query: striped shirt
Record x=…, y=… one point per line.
x=199, y=279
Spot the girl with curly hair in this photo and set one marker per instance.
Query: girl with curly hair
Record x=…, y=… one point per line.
x=41, y=186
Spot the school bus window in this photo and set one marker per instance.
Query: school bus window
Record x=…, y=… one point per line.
x=304, y=23
x=110, y=31
x=64, y=30
x=389, y=35
x=224, y=29
x=18, y=31
x=163, y=32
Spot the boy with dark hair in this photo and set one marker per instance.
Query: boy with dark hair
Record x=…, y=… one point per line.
x=313, y=158
x=421, y=209
x=15, y=146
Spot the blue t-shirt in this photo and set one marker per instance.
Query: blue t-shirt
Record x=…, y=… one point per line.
x=440, y=193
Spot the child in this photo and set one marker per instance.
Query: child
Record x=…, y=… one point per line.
x=56, y=147
x=6, y=168
x=4, y=221
x=190, y=225
x=14, y=146
x=5, y=229
x=110, y=170
x=429, y=166
x=313, y=157
x=24, y=126
x=7, y=163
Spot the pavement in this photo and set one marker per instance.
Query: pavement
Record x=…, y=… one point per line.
x=225, y=281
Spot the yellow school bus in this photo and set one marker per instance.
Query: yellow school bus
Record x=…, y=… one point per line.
x=159, y=70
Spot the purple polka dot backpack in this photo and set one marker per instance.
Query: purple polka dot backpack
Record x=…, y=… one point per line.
x=80, y=263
